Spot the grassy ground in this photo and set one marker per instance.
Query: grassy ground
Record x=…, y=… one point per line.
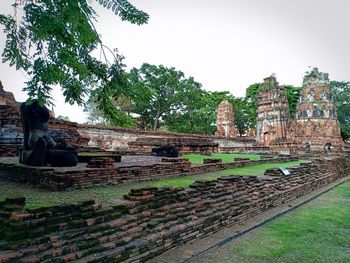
x=110, y=194
x=226, y=157
x=316, y=232
x=249, y=170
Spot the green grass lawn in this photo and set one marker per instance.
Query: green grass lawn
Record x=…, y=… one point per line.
x=226, y=157
x=108, y=194
x=316, y=232
x=258, y=169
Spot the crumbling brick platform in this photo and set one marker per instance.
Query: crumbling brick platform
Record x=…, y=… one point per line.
x=152, y=220
x=130, y=169
x=84, y=175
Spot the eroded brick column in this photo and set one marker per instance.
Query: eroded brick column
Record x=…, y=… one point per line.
x=225, y=121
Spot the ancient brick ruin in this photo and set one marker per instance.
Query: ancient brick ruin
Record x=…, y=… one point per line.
x=149, y=221
x=185, y=144
x=9, y=108
x=272, y=113
x=92, y=138
x=10, y=122
x=152, y=220
x=225, y=121
x=316, y=127
x=131, y=169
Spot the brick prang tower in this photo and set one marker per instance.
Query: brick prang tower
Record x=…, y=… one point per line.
x=272, y=113
x=316, y=127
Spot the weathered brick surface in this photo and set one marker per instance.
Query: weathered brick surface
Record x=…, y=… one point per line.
x=9, y=150
x=213, y=160
x=316, y=120
x=66, y=131
x=161, y=218
x=272, y=113
x=100, y=162
x=9, y=108
x=225, y=124
x=244, y=149
x=184, y=144
x=83, y=175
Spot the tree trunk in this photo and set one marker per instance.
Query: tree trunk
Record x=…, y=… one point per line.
x=155, y=124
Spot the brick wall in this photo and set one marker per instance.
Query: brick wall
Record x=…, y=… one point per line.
x=92, y=138
x=183, y=144
x=153, y=220
x=9, y=114
x=83, y=176
x=9, y=150
x=117, y=138
x=52, y=178
x=248, y=149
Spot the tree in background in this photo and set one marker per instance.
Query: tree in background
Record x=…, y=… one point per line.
x=53, y=41
x=207, y=114
x=293, y=98
x=63, y=118
x=251, y=95
x=341, y=97
x=185, y=118
x=94, y=115
x=122, y=112
x=243, y=115
x=166, y=92
x=198, y=113
x=164, y=99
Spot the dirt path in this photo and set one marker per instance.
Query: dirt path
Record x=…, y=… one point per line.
x=193, y=251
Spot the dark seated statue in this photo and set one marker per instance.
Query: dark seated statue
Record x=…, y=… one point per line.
x=39, y=148
x=165, y=151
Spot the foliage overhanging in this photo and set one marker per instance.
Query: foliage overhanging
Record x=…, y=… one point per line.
x=53, y=42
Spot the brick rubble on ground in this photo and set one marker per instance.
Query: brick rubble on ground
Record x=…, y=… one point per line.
x=153, y=220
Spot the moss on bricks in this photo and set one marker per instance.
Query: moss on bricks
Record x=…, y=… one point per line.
x=124, y=256
x=96, y=228
x=35, y=232
x=97, y=249
x=76, y=223
x=52, y=228
x=121, y=208
x=210, y=220
x=14, y=244
x=84, y=244
x=12, y=207
x=12, y=235
x=18, y=225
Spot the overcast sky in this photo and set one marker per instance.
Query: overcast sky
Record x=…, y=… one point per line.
x=225, y=44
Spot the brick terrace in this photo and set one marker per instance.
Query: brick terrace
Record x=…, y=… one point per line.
x=131, y=169
x=153, y=220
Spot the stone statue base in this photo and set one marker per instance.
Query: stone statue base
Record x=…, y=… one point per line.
x=41, y=156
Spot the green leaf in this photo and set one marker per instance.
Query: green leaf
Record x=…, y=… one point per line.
x=53, y=42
